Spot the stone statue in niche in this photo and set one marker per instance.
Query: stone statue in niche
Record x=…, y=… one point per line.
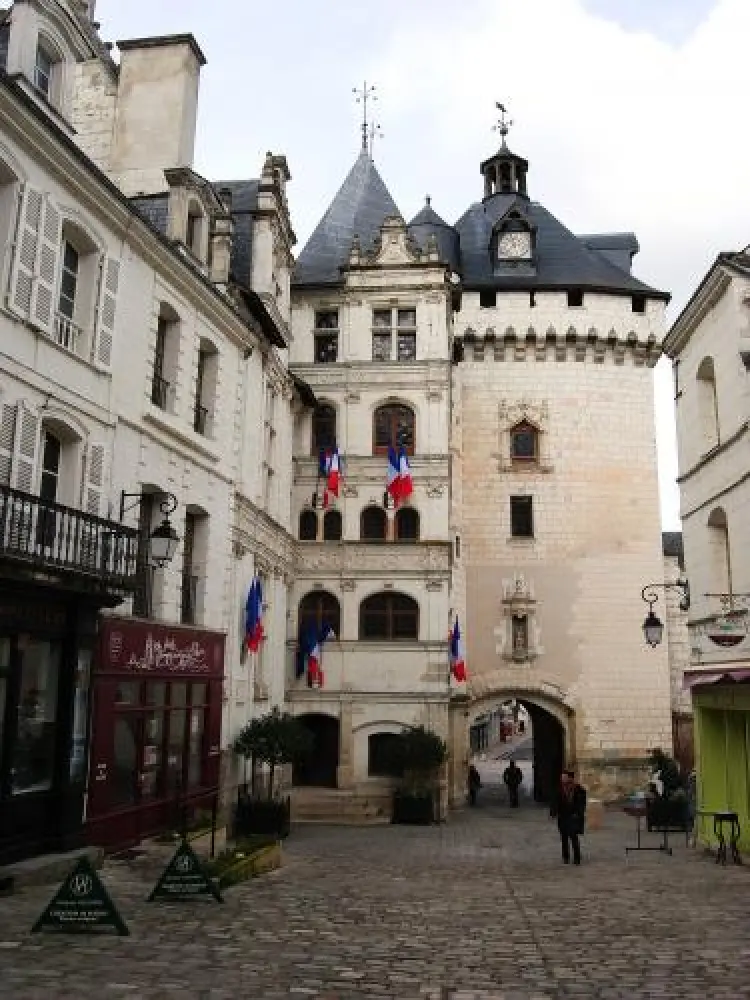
x=520, y=634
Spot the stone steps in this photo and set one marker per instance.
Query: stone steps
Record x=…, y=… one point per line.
x=342, y=807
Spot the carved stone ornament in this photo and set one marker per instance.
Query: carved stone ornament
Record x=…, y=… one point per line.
x=348, y=585
x=510, y=414
x=519, y=634
x=435, y=490
x=395, y=245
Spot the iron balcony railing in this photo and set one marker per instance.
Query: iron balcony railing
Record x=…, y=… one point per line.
x=52, y=537
x=67, y=333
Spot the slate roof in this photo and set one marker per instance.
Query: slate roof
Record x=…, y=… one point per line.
x=244, y=202
x=361, y=204
x=425, y=223
x=595, y=262
x=154, y=209
x=671, y=543
x=562, y=259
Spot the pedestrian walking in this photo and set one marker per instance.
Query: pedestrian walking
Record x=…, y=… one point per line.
x=475, y=783
x=513, y=777
x=692, y=797
x=569, y=806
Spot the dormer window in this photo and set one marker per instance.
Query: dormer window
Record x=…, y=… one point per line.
x=194, y=232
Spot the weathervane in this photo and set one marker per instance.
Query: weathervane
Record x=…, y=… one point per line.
x=504, y=123
x=364, y=95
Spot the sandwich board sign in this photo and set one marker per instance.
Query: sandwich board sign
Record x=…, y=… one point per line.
x=81, y=905
x=185, y=877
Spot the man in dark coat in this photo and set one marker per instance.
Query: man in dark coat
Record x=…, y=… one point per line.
x=513, y=777
x=569, y=806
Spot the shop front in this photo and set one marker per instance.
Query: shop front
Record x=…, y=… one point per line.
x=721, y=706
x=47, y=640
x=156, y=728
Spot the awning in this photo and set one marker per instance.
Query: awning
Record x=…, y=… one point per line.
x=696, y=678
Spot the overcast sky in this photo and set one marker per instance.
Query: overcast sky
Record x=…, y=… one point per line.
x=631, y=113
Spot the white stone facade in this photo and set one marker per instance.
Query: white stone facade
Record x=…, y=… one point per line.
x=375, y=686
x=213, y=425
x=710, y=349
x=582, y=377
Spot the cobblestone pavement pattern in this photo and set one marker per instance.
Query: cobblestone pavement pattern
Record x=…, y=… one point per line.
x=478, y=909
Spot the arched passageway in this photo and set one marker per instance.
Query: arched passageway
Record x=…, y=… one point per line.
x=320, y=769
x=538, y=738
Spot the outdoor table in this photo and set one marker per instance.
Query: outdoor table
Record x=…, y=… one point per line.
x=639, y=811
x=732, y=820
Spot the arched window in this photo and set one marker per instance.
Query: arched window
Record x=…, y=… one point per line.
x=319, y=608
x=308, y=525
x=407, y=525
x=720, y=564
x=708, y=403
x=372, y=524
x=394, y=425
x=323, y=427
x=389, y=616
x=332, y=526
x=524, y=443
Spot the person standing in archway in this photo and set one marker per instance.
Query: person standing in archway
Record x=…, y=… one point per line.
x=569, y=806
x=513, y=777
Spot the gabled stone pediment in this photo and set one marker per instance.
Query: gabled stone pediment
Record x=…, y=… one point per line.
x=394, y=245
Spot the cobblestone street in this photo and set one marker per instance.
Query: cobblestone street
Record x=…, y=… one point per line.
x=480, y=909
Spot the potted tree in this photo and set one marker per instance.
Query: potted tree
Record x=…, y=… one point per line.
x=417, y=756
x=667, y=809
x=272, y=741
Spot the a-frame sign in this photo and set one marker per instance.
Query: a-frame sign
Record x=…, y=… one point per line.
x=81, y=905
x=185, y=877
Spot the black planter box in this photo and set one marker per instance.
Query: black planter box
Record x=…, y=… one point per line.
x=667, y=814
x=262, y=816
x=418, y=810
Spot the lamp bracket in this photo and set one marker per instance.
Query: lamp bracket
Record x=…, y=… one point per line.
x=167, y=502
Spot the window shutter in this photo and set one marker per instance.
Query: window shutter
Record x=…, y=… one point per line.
x=27, y=246
x=25, y=449
x=109, y=284
x=50, y=239
x=93, y=487
x=7, y=440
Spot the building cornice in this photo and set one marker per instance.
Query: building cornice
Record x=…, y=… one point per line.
x=705, y=297
x=554, y=345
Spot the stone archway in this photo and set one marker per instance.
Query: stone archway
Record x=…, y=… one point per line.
x=553, y=731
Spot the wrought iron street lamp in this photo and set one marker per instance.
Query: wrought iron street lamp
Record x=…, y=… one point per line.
x=653, y=627
x=163, y=540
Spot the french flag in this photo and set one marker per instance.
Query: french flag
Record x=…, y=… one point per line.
x=329, y=469
x=310, y=658
x=406, y=486
x=254, y=616
x=458, y=667
x=393, y=476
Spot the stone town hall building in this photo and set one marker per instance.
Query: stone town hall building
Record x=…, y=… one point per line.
x=162, y=354
x=513, y=359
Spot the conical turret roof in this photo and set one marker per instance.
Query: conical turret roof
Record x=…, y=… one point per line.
x=361, y=204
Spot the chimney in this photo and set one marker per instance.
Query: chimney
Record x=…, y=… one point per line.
x=157, y=105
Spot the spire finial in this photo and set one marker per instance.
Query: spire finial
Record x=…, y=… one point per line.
x=428, y=200
x=363, y=95
x=503, y=125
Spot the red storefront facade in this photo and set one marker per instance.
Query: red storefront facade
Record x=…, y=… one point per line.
x=156, y=728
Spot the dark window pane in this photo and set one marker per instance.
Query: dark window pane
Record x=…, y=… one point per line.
x=70, y=257
x=372, y=524
x=317, y=609
x=389, y=616
x=332, y=527
x=198, y=693
x=407, y=525
x=323, y=428
x=381, y=346
x=381, y=755
x=523, y=442
x=326, y=347
x=195, y=747
x=407, y=346
x=124, y=788
x=521, y=517
x=381, y=318
x=128, y=693
x=156, y=693
x=407, y=318
x=394, y=426
x=308, y=526
x=178, y=694
x=153, y=739
x=176, y=748
x=327, y=320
